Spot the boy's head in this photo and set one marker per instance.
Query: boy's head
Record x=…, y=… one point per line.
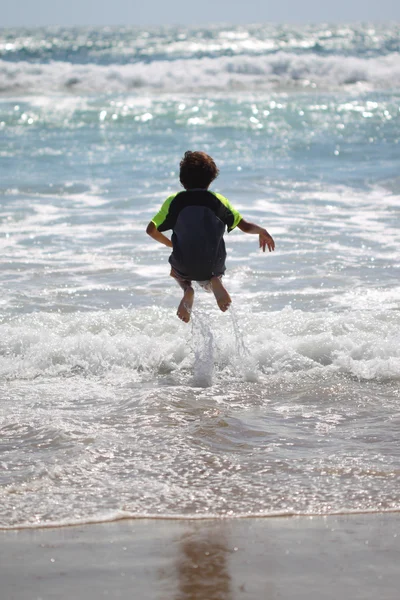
x=197, y=170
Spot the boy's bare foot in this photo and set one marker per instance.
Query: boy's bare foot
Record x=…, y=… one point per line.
x=185, y=306
x=221, y=295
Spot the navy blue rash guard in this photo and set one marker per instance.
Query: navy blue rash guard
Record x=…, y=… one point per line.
x=198, y=219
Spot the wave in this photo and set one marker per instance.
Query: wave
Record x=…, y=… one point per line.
x=359, y=343
x=269, y=72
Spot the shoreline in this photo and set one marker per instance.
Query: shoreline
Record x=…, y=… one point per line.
x=195, y=518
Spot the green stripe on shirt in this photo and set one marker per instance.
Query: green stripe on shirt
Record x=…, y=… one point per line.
x=237, y=217
x=162, y=214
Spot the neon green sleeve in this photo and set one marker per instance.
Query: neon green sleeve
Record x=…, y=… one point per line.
x=237, y=217
x=162, y=214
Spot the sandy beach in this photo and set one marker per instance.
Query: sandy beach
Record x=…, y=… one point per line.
x=355, y=557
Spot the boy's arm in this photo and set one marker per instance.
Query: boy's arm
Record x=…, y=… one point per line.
x=153, y=232
x=264, y=237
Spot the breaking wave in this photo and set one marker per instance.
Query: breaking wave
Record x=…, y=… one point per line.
x=277, y=71
x=146, y=343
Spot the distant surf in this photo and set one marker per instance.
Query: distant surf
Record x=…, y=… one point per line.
x=172, y=60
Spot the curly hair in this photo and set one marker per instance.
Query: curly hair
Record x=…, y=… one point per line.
x=197, y=170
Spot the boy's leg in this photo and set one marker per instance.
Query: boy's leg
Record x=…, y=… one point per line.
x=221, y=295
x=185, y=305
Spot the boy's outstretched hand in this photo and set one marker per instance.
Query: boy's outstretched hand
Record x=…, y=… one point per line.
x=266, y=240
x=264, y=237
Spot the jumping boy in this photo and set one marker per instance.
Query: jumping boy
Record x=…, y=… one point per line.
x=198, y=218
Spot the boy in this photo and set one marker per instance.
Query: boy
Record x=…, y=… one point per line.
x=198, y=218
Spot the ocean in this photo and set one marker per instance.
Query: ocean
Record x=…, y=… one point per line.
x=287, y=404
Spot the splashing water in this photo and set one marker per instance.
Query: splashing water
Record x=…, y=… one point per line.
x=203, y=348
x=246, y=363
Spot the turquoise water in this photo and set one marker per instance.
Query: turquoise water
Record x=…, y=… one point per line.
x=288, y=404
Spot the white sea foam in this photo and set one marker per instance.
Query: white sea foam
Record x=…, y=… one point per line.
x=120, y=343
x=270, y=71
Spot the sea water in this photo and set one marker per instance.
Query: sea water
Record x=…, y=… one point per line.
x=289, y=403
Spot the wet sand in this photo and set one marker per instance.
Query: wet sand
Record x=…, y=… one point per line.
x=322, y=558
